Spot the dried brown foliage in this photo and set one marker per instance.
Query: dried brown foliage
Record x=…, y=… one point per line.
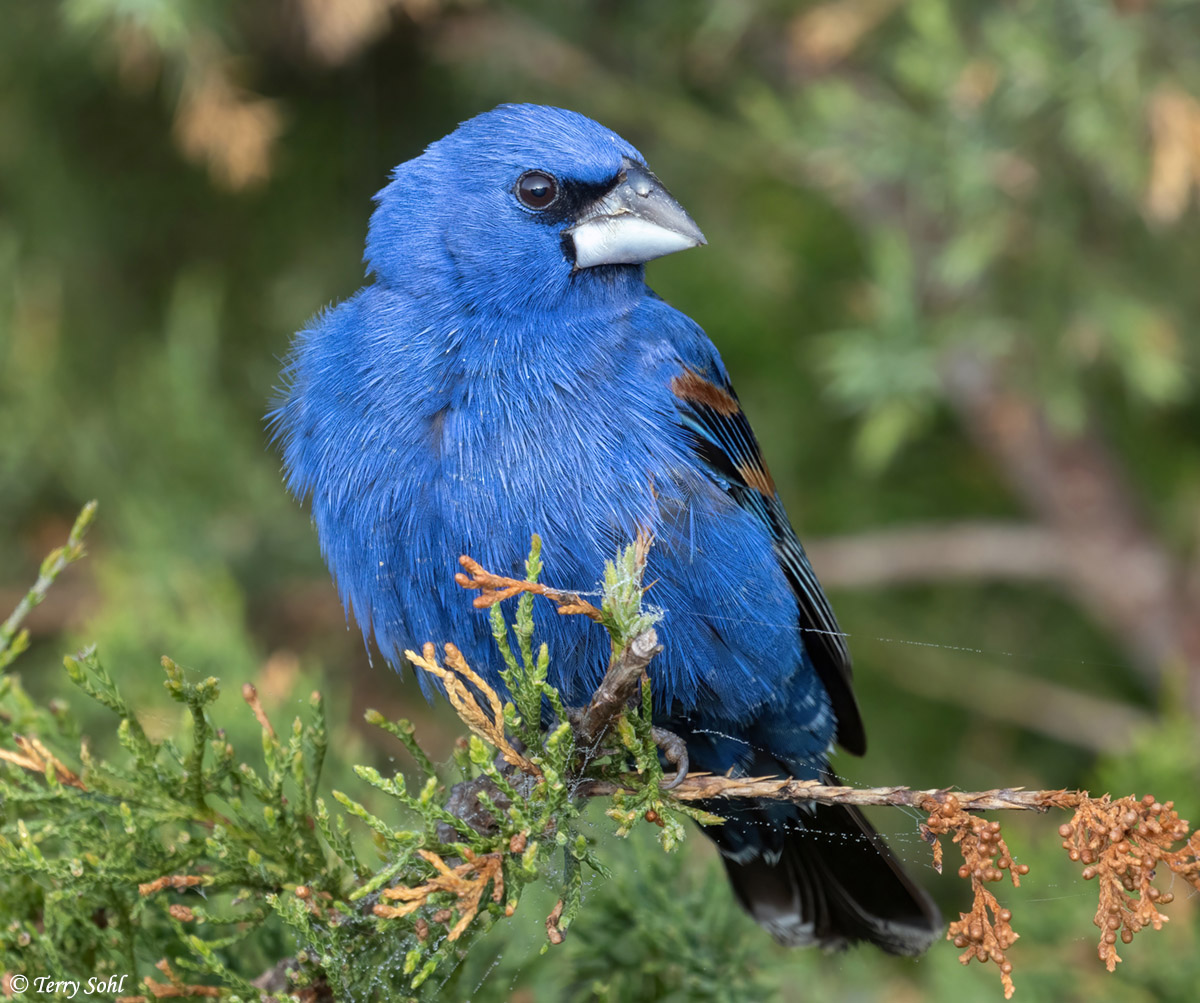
x=553, y=931
x=250, y=695
x=986, y=931
x=1121, y=844
x=461, y=683
x=338, y=30
x=822, y=36
x=178, y=882
x=174, y=988
x=225, y=126
x=1174, y=119
x=218, y=121
x=497, y=588
x=34, y=756
x=466, y=882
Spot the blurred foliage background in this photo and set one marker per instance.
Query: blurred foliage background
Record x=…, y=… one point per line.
x=952, y=267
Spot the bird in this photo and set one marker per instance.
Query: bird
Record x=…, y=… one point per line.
x=507, y=372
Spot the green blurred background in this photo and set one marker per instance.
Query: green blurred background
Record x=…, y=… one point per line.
x=952, y=268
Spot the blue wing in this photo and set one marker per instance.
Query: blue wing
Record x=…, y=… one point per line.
x=720, y=434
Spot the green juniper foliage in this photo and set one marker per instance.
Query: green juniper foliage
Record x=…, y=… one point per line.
x=659, y=933
x=179, y=855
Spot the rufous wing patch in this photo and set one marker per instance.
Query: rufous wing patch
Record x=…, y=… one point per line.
x=695, y=389
x=758, y=477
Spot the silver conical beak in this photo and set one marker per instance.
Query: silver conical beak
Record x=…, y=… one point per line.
x=635, y=222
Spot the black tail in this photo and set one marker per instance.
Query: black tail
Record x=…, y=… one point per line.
x=821, y=875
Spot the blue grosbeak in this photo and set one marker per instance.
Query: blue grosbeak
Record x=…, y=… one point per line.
x=508, y=372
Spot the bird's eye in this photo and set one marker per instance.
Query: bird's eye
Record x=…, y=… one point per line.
x=536, y=190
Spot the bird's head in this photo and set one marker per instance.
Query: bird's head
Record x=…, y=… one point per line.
x=522, y=208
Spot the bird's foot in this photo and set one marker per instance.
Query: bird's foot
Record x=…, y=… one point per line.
x=675, y=750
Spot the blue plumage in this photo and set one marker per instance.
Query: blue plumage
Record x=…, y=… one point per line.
x=508, y=372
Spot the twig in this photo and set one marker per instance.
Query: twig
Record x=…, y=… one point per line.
x=701, y=786
x=619, y=685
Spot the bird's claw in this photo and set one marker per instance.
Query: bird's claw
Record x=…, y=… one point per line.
x=675, y=750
